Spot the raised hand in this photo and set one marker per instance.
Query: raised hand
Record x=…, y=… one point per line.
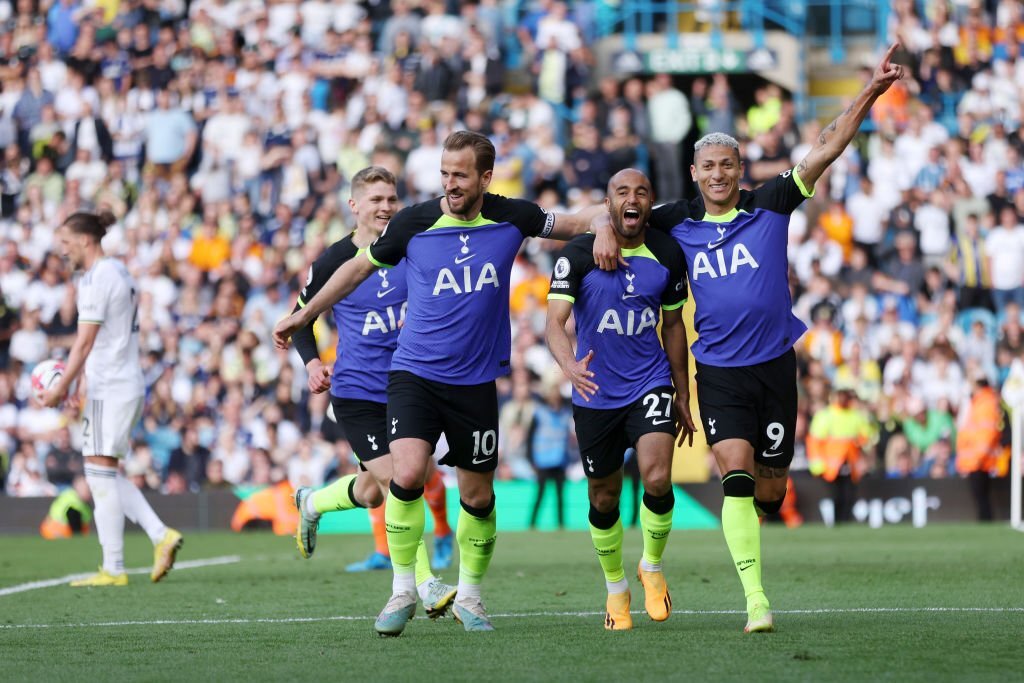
x=887, y=73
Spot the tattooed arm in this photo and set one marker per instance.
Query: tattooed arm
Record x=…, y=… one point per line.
x=837, y=135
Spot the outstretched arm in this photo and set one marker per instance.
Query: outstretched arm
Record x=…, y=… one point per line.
x=341, y=284
x=304, y=339
x=568, y=225
x=837, y=135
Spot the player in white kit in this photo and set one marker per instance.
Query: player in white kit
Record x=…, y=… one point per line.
x=107, y=347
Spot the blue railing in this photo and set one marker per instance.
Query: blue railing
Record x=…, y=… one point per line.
x=835, y=24
x=832, y=23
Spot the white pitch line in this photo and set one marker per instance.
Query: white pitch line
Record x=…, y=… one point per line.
x=49, y=583
x=508, y=615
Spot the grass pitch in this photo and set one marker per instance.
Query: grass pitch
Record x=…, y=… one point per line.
x=945, y=603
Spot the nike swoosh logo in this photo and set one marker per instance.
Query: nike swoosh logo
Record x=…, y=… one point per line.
x=660, y=422
x=462, y=259
x=480, y=462
x=766, y=454
x=381, y=295
x=715, y=245
x=630, y=296
x=743, y=569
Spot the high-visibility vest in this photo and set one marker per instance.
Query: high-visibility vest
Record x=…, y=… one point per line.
x=836, y=438
x=977, y=439
x=272, y=504
x=55, y=525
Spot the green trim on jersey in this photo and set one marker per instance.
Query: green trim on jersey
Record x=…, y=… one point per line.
x=672, y=307
x=562, y=297
x=446, y=221
x=379, y=264
x=641, y=251
x=800, y=184
x=724, y=218
x=90, y=322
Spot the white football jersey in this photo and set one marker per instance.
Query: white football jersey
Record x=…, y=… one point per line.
x=108, y=297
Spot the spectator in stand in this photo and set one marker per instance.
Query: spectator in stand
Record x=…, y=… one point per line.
x=970, y=267
x=861, y=374
x=586, y=166
x=820, y=255
x=823, y=342
x=904, y=368
x=63, y=462
x=902, y=274
x=838, y=225
x=924, y=426
x=932, y=175
x=1004, y=248
x=888, y=173
x=170, y=137
x=190, y=460
x=869, y=217
x=942, y=380
x=670, y=122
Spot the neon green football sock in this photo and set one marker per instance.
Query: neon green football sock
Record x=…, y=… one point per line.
x=476, y=537
x=655, y=529
x=743, y=536
x=404, y=522
x=336, y=497
x=423, y=573
x=608, y=545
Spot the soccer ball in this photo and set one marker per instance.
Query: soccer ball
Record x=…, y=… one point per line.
x=45, y=375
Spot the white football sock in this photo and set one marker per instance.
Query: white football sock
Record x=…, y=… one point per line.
x=109, y=516
x=404, y=583
x=650, y=566
x=468, y=590
x=424, y=589
x=137, y=509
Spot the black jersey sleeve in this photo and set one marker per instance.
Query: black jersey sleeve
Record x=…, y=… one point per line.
x=305, y=341
x=668, y=216
x=325, y=265
x=781, y=194
x=573, y=263
x=319, y=273
x=531, y=220
x=390, y=247
x=670, y=255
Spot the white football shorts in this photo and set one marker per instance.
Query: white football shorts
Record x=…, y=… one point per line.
x=107, y=426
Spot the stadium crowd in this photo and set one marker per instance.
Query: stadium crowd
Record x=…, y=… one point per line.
x=223, y=134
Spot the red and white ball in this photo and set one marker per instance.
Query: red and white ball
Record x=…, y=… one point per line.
x=46, y=375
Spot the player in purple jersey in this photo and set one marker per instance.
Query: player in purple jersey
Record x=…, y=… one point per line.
x=456, y=341
x=623, y=380
x=367, y=323
x=735, y=247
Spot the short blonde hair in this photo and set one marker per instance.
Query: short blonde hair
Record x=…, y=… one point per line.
x=371, y=175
